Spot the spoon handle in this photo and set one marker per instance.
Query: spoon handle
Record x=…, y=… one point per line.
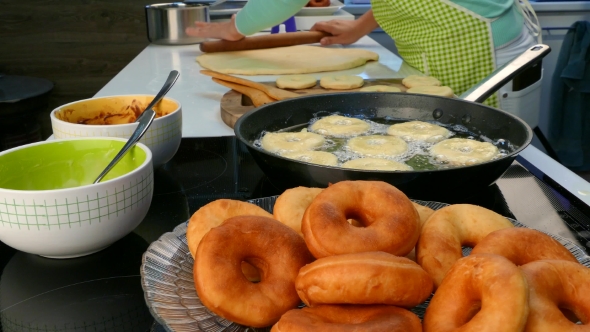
x=142, y=127
x=172, y=77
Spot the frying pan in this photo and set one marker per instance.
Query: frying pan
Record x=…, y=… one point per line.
x=422, y=184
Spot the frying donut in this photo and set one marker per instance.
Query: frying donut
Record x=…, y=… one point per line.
x=292, y=203
x=523, y=245
x=313, y=157
x=483, y=293
x=391, y=223
x=340, y=126
x=463, y=151
x=350, y=318
x=449, y=228
x=377, y=146
x=363, y=278
x=419, y=131
x=318, y=3
x=212, y=215
x=555, y=285
x=222, y=287
x=289, y=141
x=375, y=164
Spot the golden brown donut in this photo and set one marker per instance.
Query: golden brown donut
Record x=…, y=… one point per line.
x=274, y=249
x=292, y=203
x=523, y=245
x=555, y=285
x=391, y=223
x=450, y=228
x=363, y=278
x=318, y=3
x=349, y=318
x=483, y=293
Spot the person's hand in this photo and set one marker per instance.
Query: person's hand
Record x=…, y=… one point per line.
x=343, y=32
x=221, y=30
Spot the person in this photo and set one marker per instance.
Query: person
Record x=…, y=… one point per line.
x=460, y=42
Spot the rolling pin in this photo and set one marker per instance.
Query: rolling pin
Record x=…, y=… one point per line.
x=265, y=41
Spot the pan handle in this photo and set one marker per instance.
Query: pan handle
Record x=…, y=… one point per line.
x=499, y=77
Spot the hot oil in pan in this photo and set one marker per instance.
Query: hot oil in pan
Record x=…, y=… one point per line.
x=417, y=156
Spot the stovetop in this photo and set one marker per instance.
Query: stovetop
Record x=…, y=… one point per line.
x=102, y=292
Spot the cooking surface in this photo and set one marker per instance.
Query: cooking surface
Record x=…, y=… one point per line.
x=103, y=291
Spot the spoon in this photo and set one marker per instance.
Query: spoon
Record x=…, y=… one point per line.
x=144, y=121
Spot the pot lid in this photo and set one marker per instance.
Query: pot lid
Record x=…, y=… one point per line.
x=15, y=88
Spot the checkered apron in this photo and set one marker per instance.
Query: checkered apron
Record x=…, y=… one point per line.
x=440, y=39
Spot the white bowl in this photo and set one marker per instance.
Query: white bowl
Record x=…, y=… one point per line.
x=82, y=218
x=163, y=137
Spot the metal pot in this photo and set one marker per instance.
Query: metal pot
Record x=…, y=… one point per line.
x=167, y=22
x=428, y=184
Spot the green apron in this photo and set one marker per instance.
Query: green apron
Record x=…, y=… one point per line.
x=440, y=39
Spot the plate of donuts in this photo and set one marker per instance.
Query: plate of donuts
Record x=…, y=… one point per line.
x=171, y=292
x=321, y=10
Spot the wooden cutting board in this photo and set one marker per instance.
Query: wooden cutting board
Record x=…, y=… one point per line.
x=234, y=104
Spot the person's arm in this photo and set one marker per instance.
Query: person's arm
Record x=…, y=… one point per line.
x=254, y=17
x=346, y=32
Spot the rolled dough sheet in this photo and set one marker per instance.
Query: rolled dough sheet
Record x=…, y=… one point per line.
x=300, y=59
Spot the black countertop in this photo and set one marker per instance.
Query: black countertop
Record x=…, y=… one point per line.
x=102, y=291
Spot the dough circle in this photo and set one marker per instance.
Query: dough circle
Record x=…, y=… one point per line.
x=380, y=88
x=377, y=146
x=340, y=126
x=443, y=91
x=376, y=164
x=419, y=131
x=313, y=157
x=463, y=151
x=287, y=142
x=296, y=82
x=412, y=81
x=341, y=82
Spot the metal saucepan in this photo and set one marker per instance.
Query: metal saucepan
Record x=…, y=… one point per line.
x=428, y=185
x=167, y=22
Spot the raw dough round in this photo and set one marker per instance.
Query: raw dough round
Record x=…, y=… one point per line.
x=287, y=142
x=376, y=164
x=417, y=80
x=341, y=126
x=313, y=157
x=296, y=82
x=443, y=91
x=380, y=88
x=463, y=151
x=341, y=82
x=377, y=146
x=419, y=131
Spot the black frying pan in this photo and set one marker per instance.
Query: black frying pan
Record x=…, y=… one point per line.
x=427, y=185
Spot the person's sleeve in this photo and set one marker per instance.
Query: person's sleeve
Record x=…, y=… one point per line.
x=260, y=14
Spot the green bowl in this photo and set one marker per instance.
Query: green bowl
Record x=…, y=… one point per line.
x=65, y=164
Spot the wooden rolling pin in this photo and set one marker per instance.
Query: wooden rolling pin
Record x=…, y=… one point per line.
x=265, y=41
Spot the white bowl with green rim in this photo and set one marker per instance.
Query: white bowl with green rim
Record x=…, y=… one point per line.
x=50, y=207
x=162, y=137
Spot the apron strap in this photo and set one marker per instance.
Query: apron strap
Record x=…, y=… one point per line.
x=530, y=18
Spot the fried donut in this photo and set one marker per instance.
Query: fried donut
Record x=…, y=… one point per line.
x=523, y=245
x=363, y=278
x=313, y=157
x=391, y=223
x=483, y=293
x=463, y=151
x=224, y=290
x=450, y=228
x=350, y=318
x=212, y=215
x=289, y=141
x=419, y=131
x=557, y=285
x=424, y=212
x=318, y=3
x=340, y=126
x=292, y=203
x=376, y=164
x=377, y=146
